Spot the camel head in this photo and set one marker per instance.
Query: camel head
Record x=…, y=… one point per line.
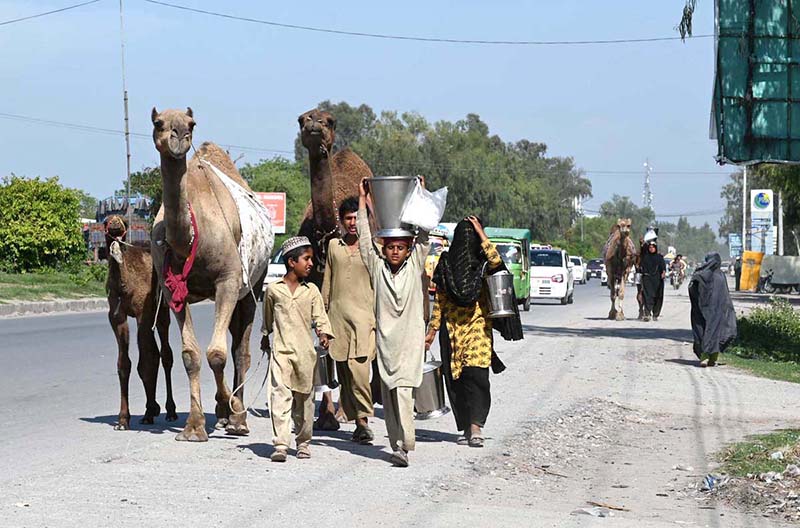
x=115, y=226
x=624, y=226
x=172, y=132
x=317, y=131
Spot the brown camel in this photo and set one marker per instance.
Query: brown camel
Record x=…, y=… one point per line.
x=620, y=254
x=191, y=190
x=334, y=177
x=132, y=289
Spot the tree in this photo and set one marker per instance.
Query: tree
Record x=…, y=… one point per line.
x=623, y=207
x=352, y=123
x=88, y=203
x=39, y=224
x=148, y=182
x=281, y=175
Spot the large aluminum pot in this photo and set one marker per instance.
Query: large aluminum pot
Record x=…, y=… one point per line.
x=501, y=294
x=324, y=372
x=388, y=196
x=429, y=396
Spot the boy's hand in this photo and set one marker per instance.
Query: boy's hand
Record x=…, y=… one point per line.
x=429, y=338
x=324, y=341
x=421, y=180
x=265, y=343
x=363, y=188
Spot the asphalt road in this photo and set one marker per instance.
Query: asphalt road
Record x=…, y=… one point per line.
x=589, y=409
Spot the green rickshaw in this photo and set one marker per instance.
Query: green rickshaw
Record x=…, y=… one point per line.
x=514, y=246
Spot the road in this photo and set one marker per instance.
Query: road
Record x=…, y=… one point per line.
x=588, y=410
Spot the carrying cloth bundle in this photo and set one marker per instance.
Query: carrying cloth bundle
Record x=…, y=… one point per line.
x=257, y=241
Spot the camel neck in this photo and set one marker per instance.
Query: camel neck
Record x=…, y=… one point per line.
x=325, y=217
x=176, y=205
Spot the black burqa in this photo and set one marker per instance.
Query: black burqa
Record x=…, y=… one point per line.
x=713, y=316
x=652, y=267
x=460, y=276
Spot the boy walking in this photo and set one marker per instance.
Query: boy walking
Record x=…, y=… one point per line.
x=291, y=305
x=400, y=325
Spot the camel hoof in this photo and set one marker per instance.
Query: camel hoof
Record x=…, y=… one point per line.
x=146, y=420
x=121, y=427
x=222, y=423
x=172, y=416
x=237, y=429
x=192, y=435
x=620, y=317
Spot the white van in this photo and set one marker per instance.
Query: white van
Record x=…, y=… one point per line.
x=551, y=275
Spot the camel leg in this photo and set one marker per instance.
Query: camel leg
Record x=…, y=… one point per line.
x=241, y=327
x=217, y=353
x=195, y=428
x=148, y=366
x=612, y=314
x=119, y=324
x=620, y=299
x=162, y=326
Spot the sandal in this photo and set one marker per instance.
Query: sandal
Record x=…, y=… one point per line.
x=279, y=455
x=463, y=439
x=476, y=441
x=363, y=436
x=303, y=452
x=327, y=422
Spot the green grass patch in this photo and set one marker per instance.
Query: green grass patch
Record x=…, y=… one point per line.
x=762, y=366
x=753, y=454
x=88, y=281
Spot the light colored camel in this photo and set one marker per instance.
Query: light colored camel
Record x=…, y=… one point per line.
x=217, y=271
x=620, y=254
x=132, y=288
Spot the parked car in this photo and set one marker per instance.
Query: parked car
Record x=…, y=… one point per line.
x=276, y=269
x=579, y=271
x=514, y=248
x=551, y=275
x=594, y=268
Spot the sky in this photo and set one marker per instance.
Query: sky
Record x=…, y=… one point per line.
x=610, y=107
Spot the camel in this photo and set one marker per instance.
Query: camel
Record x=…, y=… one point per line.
x=199, y=217
x=334, y=177
x=619, y=253
x=132, y=290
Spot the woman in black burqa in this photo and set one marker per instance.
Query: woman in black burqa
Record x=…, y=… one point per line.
x=713, y=316
x=653, y=270
x=461, y=315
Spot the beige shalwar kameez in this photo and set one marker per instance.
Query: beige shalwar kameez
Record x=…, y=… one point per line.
x=349, y=299
x=400, y=331
x=293, y=358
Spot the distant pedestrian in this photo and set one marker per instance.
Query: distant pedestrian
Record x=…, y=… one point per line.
x=654, y=270
x=461, y=316
x=737, y=271
x=713, y=315
x=291, y=306
x=400, y=325
x=350, y=301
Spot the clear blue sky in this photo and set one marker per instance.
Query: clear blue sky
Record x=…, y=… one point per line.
x=610, y=106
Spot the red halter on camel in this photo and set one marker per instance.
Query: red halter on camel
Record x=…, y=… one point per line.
x=176, y=283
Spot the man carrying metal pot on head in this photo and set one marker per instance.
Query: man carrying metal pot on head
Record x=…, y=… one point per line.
x=461, y=316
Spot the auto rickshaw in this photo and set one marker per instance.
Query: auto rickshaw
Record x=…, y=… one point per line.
x=514, y=247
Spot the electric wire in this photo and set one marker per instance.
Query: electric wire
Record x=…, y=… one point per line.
x=438, y=40
x=38, y=15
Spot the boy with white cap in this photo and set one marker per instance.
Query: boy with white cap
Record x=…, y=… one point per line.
x=291, y=305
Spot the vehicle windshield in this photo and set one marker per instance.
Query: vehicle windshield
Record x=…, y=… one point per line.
x=595, y=263
x=510, y=253
x=277, y=258
x=575, y=261
x=437, y=248
x=546, y=258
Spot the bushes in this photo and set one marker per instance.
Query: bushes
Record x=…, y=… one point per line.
x=38, y=225
x=772, y=332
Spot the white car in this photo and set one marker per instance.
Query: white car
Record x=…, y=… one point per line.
x=579, y=271
x=275, y=270
x=551, y=275
x=603, y=276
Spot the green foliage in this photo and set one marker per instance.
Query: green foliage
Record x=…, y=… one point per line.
x=49, y=285
x=148, y=182
x=771, y=332
x=280, y=175
x=39, y=225
x=88, y=203
x=623, y=207
x=84, y=275
x=692, y=242
x=753, y=455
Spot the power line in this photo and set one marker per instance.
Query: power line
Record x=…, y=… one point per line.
x=14, y=20
x=421, y=39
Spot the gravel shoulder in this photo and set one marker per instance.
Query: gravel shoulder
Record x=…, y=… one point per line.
x=588, y=410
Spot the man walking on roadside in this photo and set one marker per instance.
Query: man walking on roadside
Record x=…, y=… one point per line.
x=349, y=299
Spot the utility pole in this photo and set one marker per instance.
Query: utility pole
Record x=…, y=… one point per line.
x=744, y=209
x=127, y=129
x=647, y=194
x=780, y=223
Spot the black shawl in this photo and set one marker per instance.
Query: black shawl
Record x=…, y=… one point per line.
x=713, y=316
x=652, y=265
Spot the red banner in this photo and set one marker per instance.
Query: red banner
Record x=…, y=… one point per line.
x=275, y=202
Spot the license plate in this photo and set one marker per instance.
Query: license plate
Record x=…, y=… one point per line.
x=545, y=281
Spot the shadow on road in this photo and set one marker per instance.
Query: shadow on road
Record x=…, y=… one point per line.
x=160, y=426
x=622, y=330
x=684, y=362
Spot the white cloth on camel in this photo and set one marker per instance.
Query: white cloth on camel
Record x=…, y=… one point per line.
x=255, y=247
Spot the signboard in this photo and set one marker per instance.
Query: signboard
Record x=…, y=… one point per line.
x=756, y=101
x=762, y=236
x=761, y=204
x=735, y=245
x=275, y=202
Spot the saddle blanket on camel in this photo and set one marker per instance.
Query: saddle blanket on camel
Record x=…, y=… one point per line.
x=255, y=247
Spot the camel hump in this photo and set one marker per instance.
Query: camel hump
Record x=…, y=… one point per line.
x=348, y=162
x=214, y=154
